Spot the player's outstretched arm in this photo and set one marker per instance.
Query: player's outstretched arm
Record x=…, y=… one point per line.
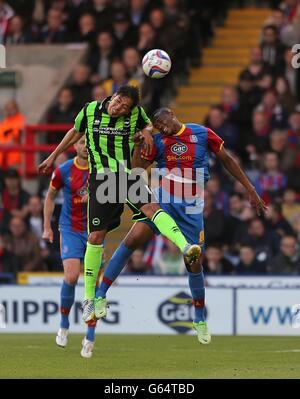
x=48, y=212
x=231, y=165
x=148, y=139
x=70, y=138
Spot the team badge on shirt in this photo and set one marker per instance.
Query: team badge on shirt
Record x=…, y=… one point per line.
x=193, y=138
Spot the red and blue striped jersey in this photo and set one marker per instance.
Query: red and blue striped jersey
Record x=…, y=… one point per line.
x=72, y=178
x=186, y=151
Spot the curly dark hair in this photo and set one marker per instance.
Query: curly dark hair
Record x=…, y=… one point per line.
x=131, y=92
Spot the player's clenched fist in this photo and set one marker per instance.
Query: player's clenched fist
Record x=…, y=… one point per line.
x=46, y=166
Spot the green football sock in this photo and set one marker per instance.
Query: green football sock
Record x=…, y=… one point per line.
x=168, y=228
x=92, y=262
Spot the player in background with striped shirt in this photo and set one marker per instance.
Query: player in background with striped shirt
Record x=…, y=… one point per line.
x=110, y=127
x=72, y=178
x=181, y=153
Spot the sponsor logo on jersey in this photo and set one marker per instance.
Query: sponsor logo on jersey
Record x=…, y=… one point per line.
x=96, y=221
x=82, y=191
x=179, y=149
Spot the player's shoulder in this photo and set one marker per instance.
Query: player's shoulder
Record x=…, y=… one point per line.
x=196, y=128
x=157, y=137
x=66, y=166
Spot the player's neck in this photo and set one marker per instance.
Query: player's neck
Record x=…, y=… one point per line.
x=83, y=163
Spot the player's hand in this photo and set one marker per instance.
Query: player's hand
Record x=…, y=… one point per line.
x=46, y=166
x=48, y=235
x=85, y=198
x=147, y=142
x=257, y=202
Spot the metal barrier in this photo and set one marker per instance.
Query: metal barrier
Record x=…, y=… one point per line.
x=30, y=148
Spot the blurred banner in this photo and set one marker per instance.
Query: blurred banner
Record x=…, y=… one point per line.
x=157, y=309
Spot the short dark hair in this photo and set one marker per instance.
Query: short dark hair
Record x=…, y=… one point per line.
x=131, y=92
x=271, y=27
x=160, y=112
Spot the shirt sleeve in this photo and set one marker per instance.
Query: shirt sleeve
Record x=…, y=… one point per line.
x=143, y=119
x=215, y=143
x=56, y=179
x=80, y=124
x=150, y=157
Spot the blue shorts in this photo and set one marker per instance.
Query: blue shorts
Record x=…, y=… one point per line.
x=73, y=244
x=187, y=215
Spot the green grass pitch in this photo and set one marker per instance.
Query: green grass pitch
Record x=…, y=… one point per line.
x=150, y=356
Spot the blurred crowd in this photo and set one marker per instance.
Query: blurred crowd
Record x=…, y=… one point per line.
x=118, y=34
x=258, y=118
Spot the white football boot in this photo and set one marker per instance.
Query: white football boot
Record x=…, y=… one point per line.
x=87, y=348
x=62, y=337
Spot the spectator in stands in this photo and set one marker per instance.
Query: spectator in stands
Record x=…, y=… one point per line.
x=54, y=31
x=285, y=97
x=138, y=12
x=234, y=219
x=125, y=35
x=14, y=198
x=22, y=247
x=81, y=86
x=265, y=242
x=11, y=129
x=98, y=93
x=136, y=264
x=221, y=199
x=248, y=96
x=227, y=131
x=288, y=260
x=261, y=131
x=146, y=39
x=274, y=112
x=276, y=221
x=119, y=78
x=215, y=263
x=214, y=220
x=6, y=13
x=16, y=32
x=286, y=30
x=51, y=258
x=132, y=62
x=87, y=29
x=279, y=144
x=294, y=145
x=249, y=264
x=63, y=112
x=230, y=104
x=171, y=261
x=290, y=206
x=101, y=57
x=272, y=49
x=271, y=183
x=103, y=12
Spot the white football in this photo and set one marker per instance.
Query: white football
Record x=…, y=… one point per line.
x=156, y=64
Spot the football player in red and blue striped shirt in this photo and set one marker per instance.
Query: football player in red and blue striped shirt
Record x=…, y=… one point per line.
x=182, y=155
x=72, y=178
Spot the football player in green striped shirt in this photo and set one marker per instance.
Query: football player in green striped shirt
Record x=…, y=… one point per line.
x=110, y=127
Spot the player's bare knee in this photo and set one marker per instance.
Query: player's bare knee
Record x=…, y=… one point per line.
x=150, y=209
x=71, y=278
x=131, y=243
x=96, y=237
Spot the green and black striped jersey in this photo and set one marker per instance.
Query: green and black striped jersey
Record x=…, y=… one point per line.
x=109, y=140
